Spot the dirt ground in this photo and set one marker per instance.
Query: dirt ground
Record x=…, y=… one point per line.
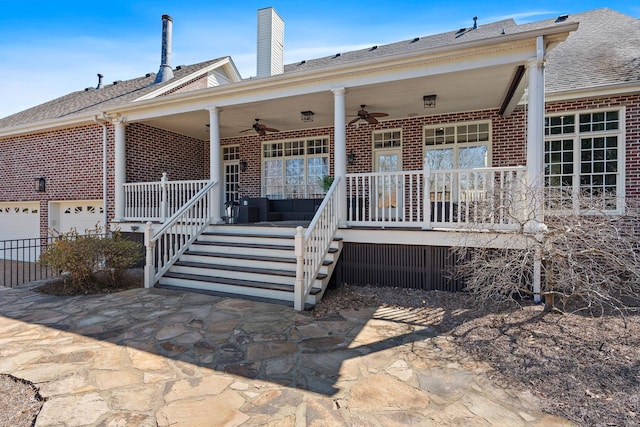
x=584, y=368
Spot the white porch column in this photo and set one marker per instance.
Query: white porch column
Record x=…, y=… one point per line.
x=340, y=150
x=535, y=149
x=214, y=162
x=120, y=168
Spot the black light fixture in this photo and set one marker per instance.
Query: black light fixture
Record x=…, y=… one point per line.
x=429, y=101
x=243, y=165
x=41, y=185
x=306, y=116
x=351, y=158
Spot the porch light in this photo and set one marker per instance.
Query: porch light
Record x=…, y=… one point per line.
x=351, y=158
x=306, y=116
x=243, y=165
x=41, y=185
x=429, y=101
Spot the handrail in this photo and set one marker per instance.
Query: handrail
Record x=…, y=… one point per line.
x=158, y=200
x=164, y=246
x=312, y=246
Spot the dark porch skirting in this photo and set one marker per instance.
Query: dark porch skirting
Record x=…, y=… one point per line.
x=402, y=266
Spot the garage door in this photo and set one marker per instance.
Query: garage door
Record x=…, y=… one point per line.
x=19, y=220
x=80, y=215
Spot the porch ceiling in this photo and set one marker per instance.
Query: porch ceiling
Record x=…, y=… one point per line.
x=477, y=89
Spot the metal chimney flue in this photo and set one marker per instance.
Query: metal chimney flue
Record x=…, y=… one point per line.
x=100, y=76
x=165, y=73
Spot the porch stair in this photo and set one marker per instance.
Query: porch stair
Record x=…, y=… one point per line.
x=245, y=260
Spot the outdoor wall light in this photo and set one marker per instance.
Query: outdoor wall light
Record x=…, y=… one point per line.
x=306, y=116
x=41, y=185
x=429, y=101
x=351, y=158
x=243, y=165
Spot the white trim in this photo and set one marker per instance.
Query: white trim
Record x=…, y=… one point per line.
x=455, y=146
x=178, y=82
x=284, y=157
x=576, y=136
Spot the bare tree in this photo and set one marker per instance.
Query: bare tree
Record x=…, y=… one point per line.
x=588, y=255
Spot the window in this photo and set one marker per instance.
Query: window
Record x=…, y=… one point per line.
x=458, y=146
x=583, y=161
x=293, y=169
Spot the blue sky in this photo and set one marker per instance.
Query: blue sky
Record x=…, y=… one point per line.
x=51, y=48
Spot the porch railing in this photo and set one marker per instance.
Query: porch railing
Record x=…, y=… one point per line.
x=164, y=246
x=312, y=246
x=480, y=198
x=157, y=201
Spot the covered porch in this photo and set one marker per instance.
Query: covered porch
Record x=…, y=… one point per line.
x=395, y=183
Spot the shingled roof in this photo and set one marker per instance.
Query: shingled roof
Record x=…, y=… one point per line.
x=604, y=49
x=92, y=99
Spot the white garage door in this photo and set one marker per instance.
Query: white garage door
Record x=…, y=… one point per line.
x=80, y=215
x=19, y=220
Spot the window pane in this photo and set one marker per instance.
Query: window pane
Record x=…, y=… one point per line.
x=272, y=179
x=472, y=157
x=317, y=168
x=440, y=159
x=294, y=179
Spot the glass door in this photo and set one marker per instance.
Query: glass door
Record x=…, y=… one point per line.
x=388, y=193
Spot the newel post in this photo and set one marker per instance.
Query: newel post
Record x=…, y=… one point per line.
x=164, y=205
x=426, y=195
x=149, y=266
x=298, y=290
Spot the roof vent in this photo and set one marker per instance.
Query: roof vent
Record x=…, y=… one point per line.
x=460, y=31
x=100, y=76
x=117, y=81
x=562, y=18
x=302, y=62
x=179, y=67
x=415, y=40
x=475, y=22
x=337, y=55
x=165, y=73
x=148, y=75
x=373, y=48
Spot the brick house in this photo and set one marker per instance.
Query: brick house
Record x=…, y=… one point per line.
x=415, y=134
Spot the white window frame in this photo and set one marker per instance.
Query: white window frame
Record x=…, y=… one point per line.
x=309, y=189
x=455, y=145
x=576, y=137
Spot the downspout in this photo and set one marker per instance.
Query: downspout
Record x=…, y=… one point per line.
x=104, y=169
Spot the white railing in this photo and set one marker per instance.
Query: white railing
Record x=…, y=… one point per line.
x=312, y=246
x=480, y=198
x=164, y=246
x=157, y=201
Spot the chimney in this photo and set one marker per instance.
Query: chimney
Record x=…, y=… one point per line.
x=270, y=43
x=100, y=76
x=165, y=73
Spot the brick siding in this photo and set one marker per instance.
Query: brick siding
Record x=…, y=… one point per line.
x=71, y=159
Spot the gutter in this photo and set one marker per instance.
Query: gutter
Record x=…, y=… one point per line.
x=103, y=123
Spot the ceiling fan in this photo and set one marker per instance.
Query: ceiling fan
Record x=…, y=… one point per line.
x=367, y=116
x=260, y=128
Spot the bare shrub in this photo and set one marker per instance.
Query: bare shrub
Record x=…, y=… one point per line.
x=587, y=260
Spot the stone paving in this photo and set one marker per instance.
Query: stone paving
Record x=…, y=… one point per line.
x=150, y=357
